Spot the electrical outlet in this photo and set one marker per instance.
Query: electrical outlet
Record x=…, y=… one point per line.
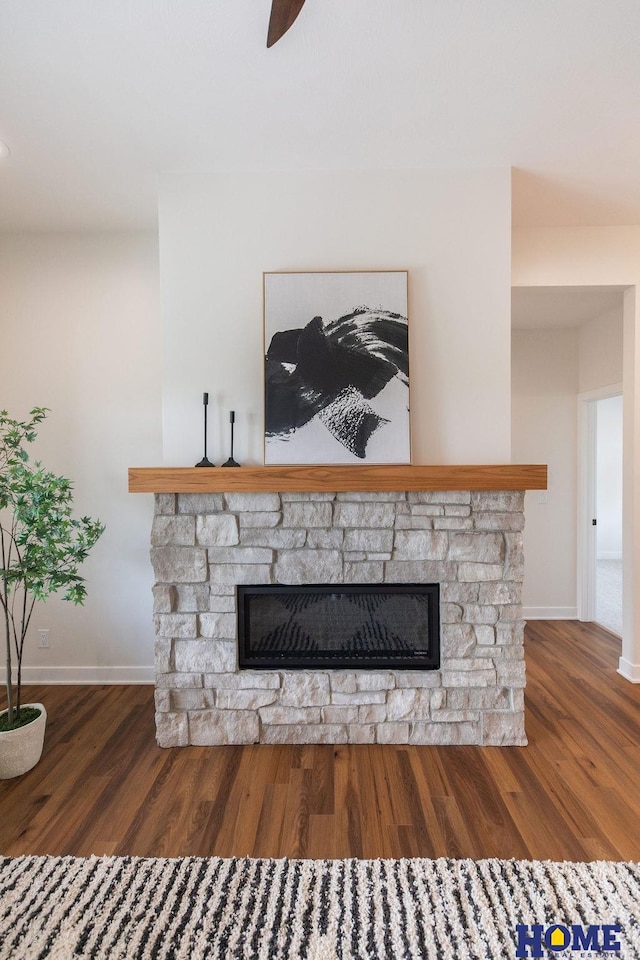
x=44, y=639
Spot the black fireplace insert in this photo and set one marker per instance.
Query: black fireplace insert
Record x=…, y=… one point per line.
x=335, y=625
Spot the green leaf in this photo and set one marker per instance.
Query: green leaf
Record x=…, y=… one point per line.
x=43, y=545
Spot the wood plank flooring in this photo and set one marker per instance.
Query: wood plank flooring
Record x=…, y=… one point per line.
x=104, y=787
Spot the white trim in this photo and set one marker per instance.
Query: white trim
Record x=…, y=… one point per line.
x=602, y=393
x=630, y=671
x=609, y=555
x=549, y=613
x=586, y=547
x=84, y=675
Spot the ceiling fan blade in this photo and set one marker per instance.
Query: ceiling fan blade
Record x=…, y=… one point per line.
x=283, y=15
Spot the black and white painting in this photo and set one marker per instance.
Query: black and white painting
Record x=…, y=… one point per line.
x=336, y=368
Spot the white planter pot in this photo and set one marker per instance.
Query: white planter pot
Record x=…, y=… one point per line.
x=21, y=749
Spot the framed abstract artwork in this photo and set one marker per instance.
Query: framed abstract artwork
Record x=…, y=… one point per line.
x=336, y=368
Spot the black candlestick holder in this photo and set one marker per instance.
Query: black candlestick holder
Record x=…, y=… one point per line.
x=231, y=462
x=205, y=462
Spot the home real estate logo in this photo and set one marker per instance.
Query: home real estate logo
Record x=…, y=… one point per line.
x=534, y=940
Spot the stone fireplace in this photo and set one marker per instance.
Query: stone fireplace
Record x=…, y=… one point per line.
x=468, y=542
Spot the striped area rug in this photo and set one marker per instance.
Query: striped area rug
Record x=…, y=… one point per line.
x=119, y=908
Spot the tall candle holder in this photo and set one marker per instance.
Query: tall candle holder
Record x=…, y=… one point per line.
x=231, y=462
x=205, y=462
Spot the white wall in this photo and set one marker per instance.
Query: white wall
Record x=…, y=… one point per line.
x=81, y=313
x=219, y=232
x=545, y=383
x=601, y=351
x=601, y=256
x=79, y=316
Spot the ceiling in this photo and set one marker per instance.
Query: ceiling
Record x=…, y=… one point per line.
x=544, y=308
x=98, y=98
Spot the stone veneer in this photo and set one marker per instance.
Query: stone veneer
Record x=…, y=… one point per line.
x=469, y=542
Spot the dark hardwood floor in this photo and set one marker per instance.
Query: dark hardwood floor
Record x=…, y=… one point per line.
x=104, y=787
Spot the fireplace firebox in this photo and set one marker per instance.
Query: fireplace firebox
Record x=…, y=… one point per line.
x=354, y=625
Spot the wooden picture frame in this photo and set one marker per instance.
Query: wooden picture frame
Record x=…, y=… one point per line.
x=336, y=348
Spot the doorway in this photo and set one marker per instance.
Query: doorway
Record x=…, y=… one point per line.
x=609, y=513
x=567, y=350
x=600, y=519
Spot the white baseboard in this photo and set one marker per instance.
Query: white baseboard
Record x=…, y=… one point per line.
x=630, y=671
x=550, y=613
x=84, y=675
x=609, y=555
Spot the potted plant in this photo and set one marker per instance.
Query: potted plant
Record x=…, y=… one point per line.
x=42, y=547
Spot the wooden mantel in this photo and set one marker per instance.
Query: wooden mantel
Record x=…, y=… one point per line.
x=338, y=479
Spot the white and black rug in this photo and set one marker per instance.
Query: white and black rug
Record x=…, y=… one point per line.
x=119, y=908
